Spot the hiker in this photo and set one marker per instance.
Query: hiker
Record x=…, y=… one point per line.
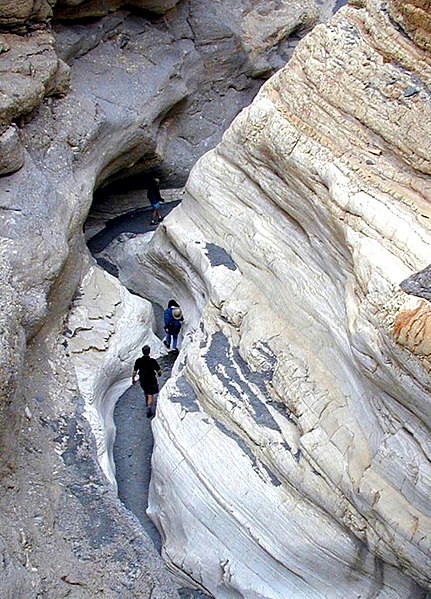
x=173, y=318
x=147, y=368
x=153, y=194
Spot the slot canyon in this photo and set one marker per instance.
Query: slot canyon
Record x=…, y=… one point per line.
x=288, y=453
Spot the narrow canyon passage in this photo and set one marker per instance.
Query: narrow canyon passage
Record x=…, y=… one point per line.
x=132, y=222
x=133, y=448
x=134, y=438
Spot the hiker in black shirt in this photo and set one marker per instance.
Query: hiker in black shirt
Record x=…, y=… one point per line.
x=147, y=368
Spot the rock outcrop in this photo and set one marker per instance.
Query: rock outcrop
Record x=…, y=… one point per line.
x=115, y=116
x=29, y=72
x=292, y=446
x=84, y=9
x=80, y=104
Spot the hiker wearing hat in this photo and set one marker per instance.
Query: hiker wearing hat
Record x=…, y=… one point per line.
x=147, y=368
x=173, y=319
x=153, y=194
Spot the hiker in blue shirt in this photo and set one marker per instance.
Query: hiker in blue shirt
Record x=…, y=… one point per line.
x=153, y=194
x=173, y=318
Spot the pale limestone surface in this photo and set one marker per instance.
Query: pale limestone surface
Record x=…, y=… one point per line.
x=108, y=326
x=292, y=445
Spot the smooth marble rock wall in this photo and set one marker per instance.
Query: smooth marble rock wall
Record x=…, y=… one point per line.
x=292, y=447
x=100, y=126
x=107, y=328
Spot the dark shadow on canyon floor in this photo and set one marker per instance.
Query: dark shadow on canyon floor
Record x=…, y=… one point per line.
x=132, y=456
x=136, y=221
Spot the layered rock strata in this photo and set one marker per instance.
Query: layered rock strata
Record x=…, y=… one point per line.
x=110, y=119
x=292, y=446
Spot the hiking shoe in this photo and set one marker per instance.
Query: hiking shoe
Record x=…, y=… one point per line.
x=161, y=218
x=166, y=344
x=149, y=412
x=153, y=222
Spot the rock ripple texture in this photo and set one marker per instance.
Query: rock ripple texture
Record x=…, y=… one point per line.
x=292, y=446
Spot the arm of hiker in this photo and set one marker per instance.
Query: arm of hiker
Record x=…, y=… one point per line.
x=134, y=377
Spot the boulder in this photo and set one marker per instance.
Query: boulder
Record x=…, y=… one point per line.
x=11, y=152
x=18, y=14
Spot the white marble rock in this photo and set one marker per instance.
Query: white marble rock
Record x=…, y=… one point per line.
x=292, y=445
x=108, y=326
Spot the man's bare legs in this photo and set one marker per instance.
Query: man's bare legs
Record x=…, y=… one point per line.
x=149, y=402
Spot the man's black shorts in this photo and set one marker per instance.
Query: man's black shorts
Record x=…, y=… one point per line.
x=149, y=387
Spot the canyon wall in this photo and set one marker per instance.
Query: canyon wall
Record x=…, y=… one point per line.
x=93, y=93
x=292, y=445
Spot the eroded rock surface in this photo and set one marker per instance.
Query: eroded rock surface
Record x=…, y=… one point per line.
x=116, y=114
x=296, y=434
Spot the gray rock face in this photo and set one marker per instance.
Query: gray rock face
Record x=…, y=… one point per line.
x=80, y=9
x=199, y=66
x=36, y=13
x=15, y=14
x=16, y=582
x=29, y=72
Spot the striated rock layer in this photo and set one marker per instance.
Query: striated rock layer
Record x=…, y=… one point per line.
x=292, y=446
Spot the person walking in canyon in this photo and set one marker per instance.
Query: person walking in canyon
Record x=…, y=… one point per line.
x=155, y=198
x=147, y=368
x=173, y=319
